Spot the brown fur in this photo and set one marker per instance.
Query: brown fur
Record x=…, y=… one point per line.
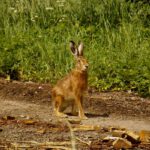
x=70, y=89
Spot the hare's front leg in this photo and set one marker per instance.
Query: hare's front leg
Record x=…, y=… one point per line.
x=74, y=109
x=57, y=106
x=79, y=102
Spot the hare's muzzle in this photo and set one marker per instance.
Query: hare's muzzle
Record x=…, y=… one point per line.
x=85, y=67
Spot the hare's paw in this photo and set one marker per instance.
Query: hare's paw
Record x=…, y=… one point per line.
x=59, y=114
x=84, y=117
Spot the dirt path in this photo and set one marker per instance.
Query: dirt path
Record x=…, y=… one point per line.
x=30, y=101
x=20, y=109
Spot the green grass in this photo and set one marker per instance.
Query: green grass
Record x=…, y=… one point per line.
x=35, y=35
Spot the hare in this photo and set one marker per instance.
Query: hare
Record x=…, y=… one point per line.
x=70, y=89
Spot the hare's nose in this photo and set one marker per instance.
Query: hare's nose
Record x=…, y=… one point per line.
x=86, y=66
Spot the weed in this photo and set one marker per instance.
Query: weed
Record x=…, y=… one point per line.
x=116, y=34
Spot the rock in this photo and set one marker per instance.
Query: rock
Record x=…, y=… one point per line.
x=29, y=122
x=41, y=131
x=116, y=129
x=145, y=136
x=8, y=118
x=86, y=128
x=118, y=133
x=74, y=121
x=122, y=143
x=132, y=137
x=109, y=138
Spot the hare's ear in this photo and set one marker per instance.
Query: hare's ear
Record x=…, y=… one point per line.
x=73, y=48
x=80, y=49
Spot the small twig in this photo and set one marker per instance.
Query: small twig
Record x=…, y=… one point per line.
x=31, y=144
x=84, y=142
x=3, y=146
x=47, y=143
x=145, y=143
x=44, y=146
x=73, y=143
x=28, y=142
x=16, y=145
x=57, y=147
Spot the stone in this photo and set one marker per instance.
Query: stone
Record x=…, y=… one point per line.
x=132, y=137
x=86, y=128
x=41, y=131
x=29, y=122
x=109, y=138
x=122, y=143
x=144, y=136
x=8, y=118
x=118, y=133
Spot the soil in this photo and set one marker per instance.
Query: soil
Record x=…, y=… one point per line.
x=27, y=120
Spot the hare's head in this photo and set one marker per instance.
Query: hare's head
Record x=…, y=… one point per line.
x=77, y=51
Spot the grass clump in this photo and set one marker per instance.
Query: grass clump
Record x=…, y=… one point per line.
x=34, y=37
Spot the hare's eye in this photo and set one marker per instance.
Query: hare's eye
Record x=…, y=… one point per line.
x=79, y=60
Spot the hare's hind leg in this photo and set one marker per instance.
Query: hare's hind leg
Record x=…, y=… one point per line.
x=57, y=106
x=79, y=103
x=74, y=109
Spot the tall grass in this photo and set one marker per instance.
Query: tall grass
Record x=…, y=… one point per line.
x=34, y=37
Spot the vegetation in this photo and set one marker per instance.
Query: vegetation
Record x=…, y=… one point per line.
x=34, y=37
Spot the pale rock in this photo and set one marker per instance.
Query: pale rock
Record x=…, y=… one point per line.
x=145, y=136
x=122, y=143
x=132, y=137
